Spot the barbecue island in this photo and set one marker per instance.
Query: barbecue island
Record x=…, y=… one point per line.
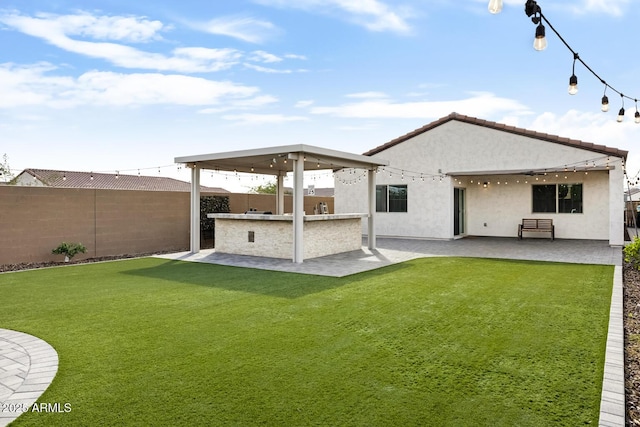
x=294, y=235
x=272, y=235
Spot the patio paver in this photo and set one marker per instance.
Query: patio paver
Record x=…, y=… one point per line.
x=395, y=250
x=27, y=367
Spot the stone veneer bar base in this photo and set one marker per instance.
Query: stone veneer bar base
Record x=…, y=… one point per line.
x=272, y=235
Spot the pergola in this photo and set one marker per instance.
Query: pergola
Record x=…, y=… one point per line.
x=278, y=161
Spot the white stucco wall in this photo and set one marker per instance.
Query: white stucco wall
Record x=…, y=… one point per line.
x=502, y=206
x=462, y=147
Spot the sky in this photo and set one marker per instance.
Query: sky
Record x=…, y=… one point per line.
x=121, y=85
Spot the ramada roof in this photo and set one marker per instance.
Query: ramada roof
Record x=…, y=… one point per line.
x=107, y=181
x=602, y=149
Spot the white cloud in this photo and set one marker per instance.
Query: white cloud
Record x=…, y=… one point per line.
x=304, y=104
x=262, y=56
x=267, y=69
x=294, y=56
x=610, y=7
x=34, y=86
x=245, y=28
x=260, y=119
x=54, y=30
x=374, y=15
x=243, y=104
x=124, y=28
x=368, y=95
x=480, y=104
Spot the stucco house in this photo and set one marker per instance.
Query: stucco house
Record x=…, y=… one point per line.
x=462, y=176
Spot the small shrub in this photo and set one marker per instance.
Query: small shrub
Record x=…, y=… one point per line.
x=632, y=253
x=69, y=250
x=212, y=204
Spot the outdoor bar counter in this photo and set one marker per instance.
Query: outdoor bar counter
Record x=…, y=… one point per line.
x=272, y=235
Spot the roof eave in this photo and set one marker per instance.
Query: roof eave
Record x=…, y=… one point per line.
x=602, y=149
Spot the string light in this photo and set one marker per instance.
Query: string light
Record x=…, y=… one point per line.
x=534, y=11
x=573, y=80
x=621, y=112
x=352, y=176
x=605, y=100
x=495, y=6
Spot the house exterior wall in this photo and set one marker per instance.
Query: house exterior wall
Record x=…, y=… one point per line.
x=445, y=154
x=502, y=206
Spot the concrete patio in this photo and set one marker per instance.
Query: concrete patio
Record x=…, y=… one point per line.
x=394, y=250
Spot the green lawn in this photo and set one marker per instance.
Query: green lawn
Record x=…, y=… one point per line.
x=435, y=341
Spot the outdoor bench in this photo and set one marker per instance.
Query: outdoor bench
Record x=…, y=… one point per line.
x=536, y=225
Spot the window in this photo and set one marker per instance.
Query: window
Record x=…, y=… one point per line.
x=391, y=198
x=544, y=198
x=570, y=198
x=557, y=198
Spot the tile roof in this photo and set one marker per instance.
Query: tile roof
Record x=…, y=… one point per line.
x=107, y=181
x=504, y=128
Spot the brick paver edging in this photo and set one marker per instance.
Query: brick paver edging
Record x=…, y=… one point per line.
x=27, y=367
x=612, y=402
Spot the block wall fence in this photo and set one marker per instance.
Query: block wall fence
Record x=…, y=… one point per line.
x=34, y=220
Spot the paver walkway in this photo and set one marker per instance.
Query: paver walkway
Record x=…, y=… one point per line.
x=27, y=367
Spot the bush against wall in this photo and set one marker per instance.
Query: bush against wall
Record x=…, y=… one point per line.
x=211, y=204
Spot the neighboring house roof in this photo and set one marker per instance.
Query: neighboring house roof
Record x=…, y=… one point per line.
x=504, y=128
x=632, y=194
x=106, y=181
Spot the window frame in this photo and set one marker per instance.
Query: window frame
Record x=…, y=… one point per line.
x=390, y=204
x=558, y=207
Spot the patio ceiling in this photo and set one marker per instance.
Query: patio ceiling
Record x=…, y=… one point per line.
x=278, y=160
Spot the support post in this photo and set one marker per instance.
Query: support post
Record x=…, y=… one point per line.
x=616, y=205
x=195, y=210
x=280, y=194
x=371, y=230
x=298, y=208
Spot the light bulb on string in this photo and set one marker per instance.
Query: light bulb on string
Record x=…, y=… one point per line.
x=540, y=42
x=621, y=112
x=573, y=80
x=605, y=99
x=495, y=6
